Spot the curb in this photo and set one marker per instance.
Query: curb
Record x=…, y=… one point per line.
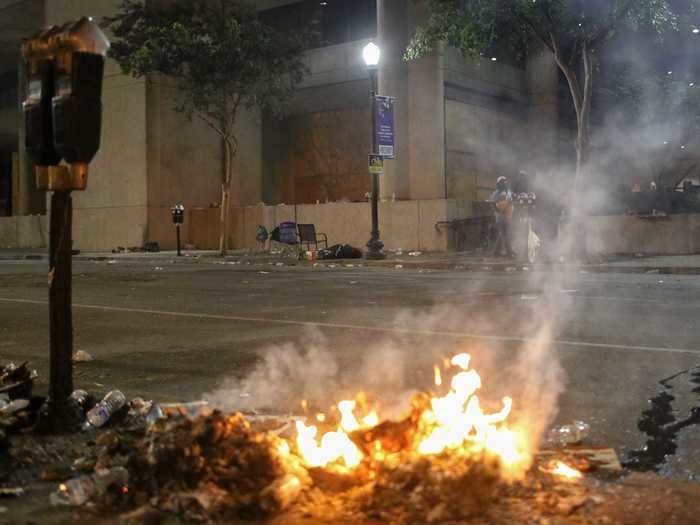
x=397, y=264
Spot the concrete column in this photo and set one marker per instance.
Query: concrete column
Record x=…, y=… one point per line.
x=393, y=35
x=419, y=169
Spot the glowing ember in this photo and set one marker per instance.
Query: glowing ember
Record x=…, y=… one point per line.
x=565, y=471
x=454, y=423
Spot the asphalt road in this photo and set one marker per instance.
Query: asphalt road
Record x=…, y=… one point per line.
x=178, y=331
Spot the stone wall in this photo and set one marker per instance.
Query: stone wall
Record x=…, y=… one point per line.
x=629, y=234
x=25, y=231
x=409, y=225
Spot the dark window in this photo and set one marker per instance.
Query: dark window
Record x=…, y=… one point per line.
x=337, y=21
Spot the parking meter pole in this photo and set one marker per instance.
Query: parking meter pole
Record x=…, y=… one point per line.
x=60, y=310
x=177, y=228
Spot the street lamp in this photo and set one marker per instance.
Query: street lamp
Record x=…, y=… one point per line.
x=375, y=247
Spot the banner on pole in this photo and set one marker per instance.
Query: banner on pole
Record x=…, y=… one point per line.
x=385, y=127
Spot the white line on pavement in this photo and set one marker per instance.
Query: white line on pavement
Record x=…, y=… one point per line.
x=466, y=335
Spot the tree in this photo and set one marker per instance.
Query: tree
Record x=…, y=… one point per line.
x=573, y=30
x=222, y=57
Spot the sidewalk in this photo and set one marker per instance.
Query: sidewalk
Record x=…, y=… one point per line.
x=666, y=264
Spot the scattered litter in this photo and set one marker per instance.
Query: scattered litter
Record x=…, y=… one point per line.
x=349, y=265
x=17, y=381
x=57, y=473
x=660, y=282
x=11, y=492
x=510, y=268
x=655, y=270
x=571, y=434
x=112, y=261
x=190, y=410
x=103, y=411
x=415, y=254
x=81, y=356
x=80, y=397
x=279, y=264
x=263, y=273
x=332, y=266
x=16, y=405
x=79, y=491
x=353, y=282
x=158, y=268
x=398, y=266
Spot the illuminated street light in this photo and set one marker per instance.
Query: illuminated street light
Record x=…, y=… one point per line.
x=371, y=54
x=375, y=247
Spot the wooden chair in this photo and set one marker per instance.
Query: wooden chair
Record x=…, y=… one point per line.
x=308, y=236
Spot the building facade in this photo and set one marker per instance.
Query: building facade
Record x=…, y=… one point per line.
x=459, y=125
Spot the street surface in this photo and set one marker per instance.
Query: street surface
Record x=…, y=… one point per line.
x=177, y=331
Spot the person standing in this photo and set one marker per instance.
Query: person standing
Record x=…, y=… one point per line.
x=502, y=200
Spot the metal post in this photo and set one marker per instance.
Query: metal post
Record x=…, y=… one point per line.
x=60, y=312
x=375, y=246
x=177, y=227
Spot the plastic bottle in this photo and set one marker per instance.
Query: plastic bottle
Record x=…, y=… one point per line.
x=570, y=434
x=79, y=397
x=102, y=411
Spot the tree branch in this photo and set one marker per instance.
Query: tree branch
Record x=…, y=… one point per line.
x=608, y=30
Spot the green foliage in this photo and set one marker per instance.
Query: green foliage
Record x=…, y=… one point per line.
x=220, y=54
x=474, y=25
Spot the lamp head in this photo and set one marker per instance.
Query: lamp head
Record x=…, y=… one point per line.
x=371, y=54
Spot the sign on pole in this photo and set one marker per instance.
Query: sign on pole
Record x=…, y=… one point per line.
x=385, y=126
x=376, y=164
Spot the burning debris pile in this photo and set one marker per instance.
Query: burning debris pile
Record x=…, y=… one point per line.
x=446, y=459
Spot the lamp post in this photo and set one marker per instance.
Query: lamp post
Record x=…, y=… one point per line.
x=375, y=247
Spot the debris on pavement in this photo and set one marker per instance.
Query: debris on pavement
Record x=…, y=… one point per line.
x=98, y=415
x=81, y=356
x=17, y=381
x=415, y=254
x=11, y=492
x=570, y=434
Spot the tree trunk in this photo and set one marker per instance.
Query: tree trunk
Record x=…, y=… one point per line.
x=581, y=96
x=226, y=197
x=583, y=139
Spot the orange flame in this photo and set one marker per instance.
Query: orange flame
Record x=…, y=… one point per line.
x=454, y=423
x=565, y=471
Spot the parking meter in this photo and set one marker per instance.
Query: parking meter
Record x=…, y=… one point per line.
x=36, y=106
x=80, y=48
x=62, y=114
x=178, y=214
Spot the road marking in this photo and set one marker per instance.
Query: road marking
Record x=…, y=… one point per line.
x=465, y=335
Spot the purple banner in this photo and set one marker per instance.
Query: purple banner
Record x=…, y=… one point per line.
x=385, y=127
